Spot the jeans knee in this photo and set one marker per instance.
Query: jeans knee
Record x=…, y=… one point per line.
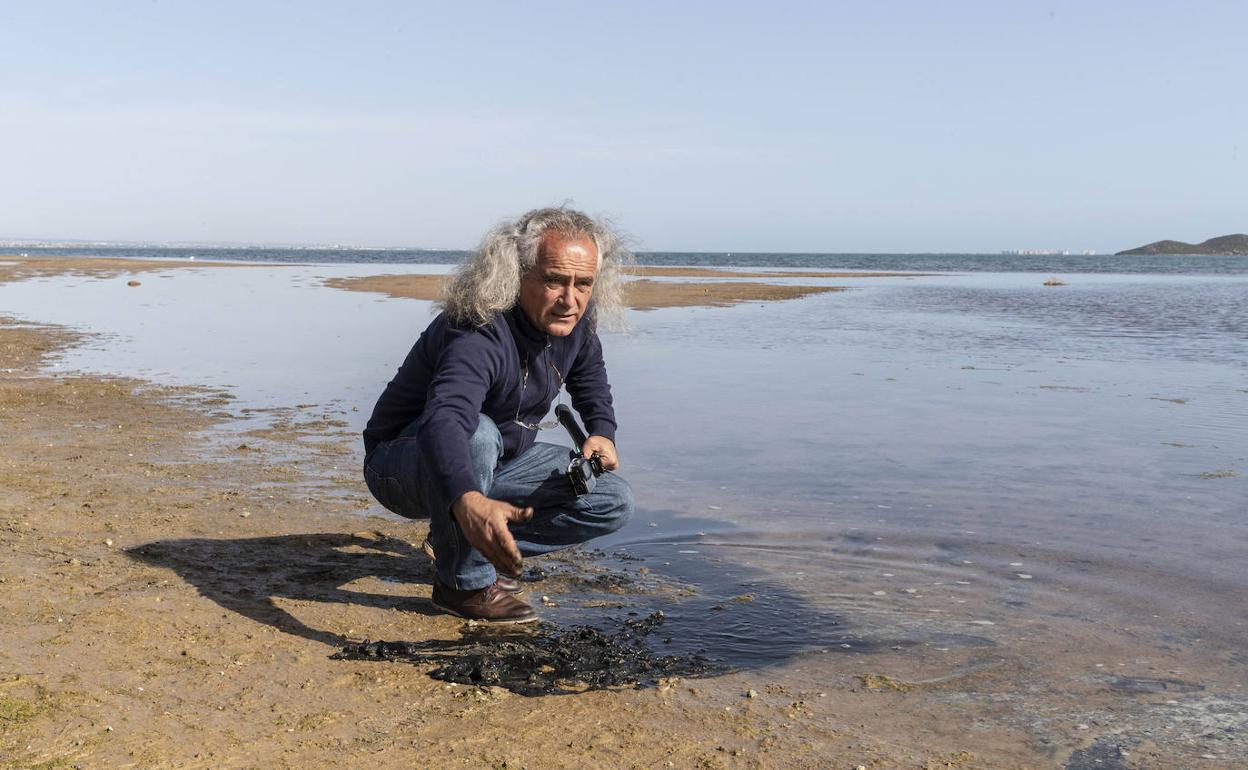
x=621, y=510
x=486, y=444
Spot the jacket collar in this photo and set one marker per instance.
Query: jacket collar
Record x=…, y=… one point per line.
x=529, y=338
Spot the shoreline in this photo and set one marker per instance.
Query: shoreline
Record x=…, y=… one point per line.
x=190, y=594
x=640, y=293
x=17, y=268
x=241, y=559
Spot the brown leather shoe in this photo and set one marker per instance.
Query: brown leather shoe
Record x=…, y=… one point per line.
x=491, y=604
x=511, y=585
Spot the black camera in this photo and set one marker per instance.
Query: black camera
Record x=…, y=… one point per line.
x=583, y=472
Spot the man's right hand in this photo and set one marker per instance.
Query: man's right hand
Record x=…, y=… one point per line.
x=484, y=522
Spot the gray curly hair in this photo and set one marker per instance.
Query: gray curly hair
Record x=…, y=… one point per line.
x=488, y=281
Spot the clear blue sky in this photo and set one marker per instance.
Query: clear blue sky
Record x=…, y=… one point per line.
x=818, y=126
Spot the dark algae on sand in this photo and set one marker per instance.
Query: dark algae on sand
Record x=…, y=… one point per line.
x=545, y=660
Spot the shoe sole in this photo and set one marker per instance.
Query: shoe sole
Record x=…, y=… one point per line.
x=493, y=622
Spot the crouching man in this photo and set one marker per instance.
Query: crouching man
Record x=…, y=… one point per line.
x=453, y=436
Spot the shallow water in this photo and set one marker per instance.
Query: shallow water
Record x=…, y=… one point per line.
x=933, y=465
x=969, y=429
x=271, y=335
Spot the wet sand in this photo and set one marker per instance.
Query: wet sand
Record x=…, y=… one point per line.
x=173, y=590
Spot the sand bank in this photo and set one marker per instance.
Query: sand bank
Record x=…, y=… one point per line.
x=642, y=294
x=16, y=268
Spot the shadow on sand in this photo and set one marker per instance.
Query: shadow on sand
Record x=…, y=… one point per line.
x=596, y=641
x=246, y=575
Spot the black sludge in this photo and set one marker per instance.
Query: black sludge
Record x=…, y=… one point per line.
x=547, y=660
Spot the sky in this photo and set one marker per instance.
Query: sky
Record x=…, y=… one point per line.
x=694, y=126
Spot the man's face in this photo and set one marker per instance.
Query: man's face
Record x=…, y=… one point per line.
x=556, y=290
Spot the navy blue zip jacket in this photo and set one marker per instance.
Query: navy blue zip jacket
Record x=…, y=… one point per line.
x=453, y=373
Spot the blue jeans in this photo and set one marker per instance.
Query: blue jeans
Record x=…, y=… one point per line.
x=398, y=477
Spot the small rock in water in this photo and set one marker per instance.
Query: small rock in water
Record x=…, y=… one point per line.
x=133, y=283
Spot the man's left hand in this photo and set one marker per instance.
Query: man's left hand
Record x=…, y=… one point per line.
x=604, y=448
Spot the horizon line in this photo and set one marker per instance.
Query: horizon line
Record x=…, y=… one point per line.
x=65, y=243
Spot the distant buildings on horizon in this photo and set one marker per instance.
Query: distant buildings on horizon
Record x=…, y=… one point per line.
x=1046, y=252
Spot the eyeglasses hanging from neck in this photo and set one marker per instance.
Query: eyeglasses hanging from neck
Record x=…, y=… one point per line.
x=524, y=384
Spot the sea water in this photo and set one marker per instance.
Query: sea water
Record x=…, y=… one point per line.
x=912, y=262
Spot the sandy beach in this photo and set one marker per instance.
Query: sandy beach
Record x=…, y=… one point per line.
x=172, y=594
x=170, y=601
x=920, y=334
x=179, y=571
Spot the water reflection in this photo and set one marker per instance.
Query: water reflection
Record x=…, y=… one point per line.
x=1191, y=320
x=979, y=452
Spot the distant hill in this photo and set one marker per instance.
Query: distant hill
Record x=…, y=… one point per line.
x=1225, y=246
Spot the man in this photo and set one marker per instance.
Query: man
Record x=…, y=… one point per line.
x=453, y=437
